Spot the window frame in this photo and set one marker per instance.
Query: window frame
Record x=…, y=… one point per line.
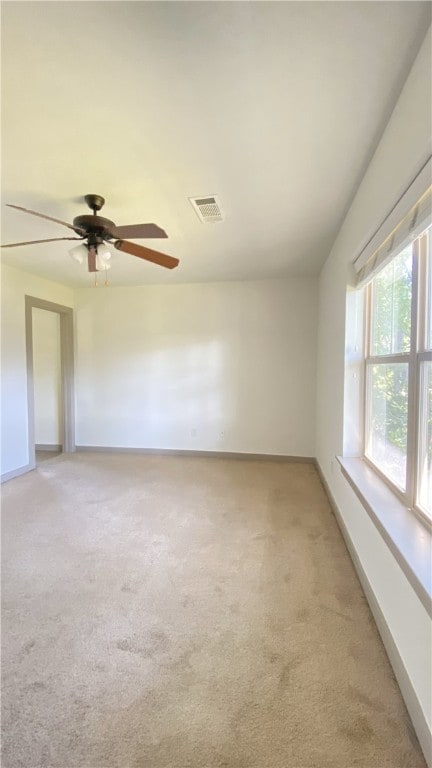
x=421, y=300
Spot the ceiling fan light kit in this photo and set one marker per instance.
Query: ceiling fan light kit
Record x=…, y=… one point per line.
x=96, y=231
x=80, y=252
x=103, y=256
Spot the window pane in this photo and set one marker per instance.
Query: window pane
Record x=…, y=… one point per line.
x=387, y=409
x=424, y=497
x=391, y=306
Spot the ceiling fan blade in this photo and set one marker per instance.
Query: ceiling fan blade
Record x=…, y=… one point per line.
x=146, y=253
x=33, y=242
x=137, y=231
x=43, y=216
x=91, y=260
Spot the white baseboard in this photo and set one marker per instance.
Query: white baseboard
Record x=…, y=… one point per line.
x=409, y=695
x=16, y=473
x=47, y=447
x=202, y=454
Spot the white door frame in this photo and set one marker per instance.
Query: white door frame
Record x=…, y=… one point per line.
x=67, y=374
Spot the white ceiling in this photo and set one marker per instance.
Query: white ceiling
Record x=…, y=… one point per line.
x=276, y=107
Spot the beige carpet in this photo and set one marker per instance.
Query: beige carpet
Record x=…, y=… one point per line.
x=166, y=612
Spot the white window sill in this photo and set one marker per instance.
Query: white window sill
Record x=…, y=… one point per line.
x=408, y=539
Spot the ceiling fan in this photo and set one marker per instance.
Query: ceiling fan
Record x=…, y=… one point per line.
x=95, y=230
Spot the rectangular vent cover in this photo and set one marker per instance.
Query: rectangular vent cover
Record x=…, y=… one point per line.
x=207, y=208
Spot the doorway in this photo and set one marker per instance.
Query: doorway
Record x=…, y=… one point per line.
x=50, y=377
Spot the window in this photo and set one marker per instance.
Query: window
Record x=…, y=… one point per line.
x=398, y=373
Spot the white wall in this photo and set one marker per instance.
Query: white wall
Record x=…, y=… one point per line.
x=222, y=366
x=403, y=147
x=46, y=376
x=14, y=428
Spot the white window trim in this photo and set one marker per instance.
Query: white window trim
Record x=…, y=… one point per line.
x=407, y=537
x=414, y=358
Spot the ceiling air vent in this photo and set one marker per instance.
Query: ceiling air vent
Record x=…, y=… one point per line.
x=207, y=208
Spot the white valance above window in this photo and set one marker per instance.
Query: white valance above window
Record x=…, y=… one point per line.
x=411, y=215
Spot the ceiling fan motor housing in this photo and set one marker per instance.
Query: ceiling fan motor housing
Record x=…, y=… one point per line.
x=94, y=225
